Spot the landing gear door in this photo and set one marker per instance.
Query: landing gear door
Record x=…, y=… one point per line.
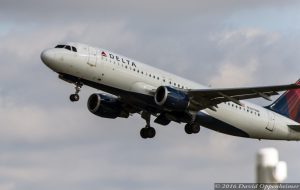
x=92, y=59
x=271, y=121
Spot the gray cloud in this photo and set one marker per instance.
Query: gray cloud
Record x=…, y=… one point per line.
x=46, y=142
x=79, y=9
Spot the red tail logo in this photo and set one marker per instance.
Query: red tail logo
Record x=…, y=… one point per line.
x=103, y=54
x=288, y=104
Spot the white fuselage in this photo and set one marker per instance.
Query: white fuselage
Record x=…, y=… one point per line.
x=109, y=69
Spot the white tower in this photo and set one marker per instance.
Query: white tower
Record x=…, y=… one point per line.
x=268, y=167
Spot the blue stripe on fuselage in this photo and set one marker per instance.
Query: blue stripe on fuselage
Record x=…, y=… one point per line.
x=146, y=102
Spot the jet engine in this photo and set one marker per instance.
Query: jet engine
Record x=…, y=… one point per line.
x=171, y=99
x=106, y=106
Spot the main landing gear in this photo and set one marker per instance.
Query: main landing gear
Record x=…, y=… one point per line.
x=75, y=97
x=191, y=128
x=147, y=131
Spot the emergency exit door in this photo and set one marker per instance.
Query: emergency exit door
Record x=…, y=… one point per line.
x=271, y=121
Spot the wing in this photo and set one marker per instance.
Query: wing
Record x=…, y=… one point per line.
x=210, y=98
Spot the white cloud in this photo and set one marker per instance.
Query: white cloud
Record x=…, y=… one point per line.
x=246, y=36
x=34, y=124
x=231, y=75
x=23, y=44
x=244, y=51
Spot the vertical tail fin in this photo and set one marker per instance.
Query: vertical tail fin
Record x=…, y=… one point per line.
x=288, y=104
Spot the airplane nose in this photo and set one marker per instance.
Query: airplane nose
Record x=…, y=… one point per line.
x=47, y=56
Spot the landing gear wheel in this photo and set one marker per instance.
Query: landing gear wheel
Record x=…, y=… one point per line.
x=74, y=97
x=192, y=128
x=143, y=133
x=147, y=132
x=188, y=129
x=195, y=128
x=151, y=132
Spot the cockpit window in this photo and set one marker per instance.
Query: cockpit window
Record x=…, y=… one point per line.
x=74, y=49
x=60, y=46
x=68, y=48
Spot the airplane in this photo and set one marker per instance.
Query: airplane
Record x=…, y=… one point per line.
x=131, y=87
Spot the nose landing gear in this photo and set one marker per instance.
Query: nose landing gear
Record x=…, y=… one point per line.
x=75, y=97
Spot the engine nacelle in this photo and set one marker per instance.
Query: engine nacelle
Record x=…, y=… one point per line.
x=105, y=106
x=171, y=98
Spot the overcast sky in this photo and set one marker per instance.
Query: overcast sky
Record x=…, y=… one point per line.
x=47, y=142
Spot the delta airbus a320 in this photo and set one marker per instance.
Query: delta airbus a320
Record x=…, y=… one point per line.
x=133, y=87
